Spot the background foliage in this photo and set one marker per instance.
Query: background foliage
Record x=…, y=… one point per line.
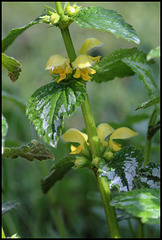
x=73, y=207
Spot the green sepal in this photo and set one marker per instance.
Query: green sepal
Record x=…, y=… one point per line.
x=141, y=203
x=49, y=105
x=57, y=171
x=12, y=66
x=126, y=62
x=102, y=19
x=82, y=161
x=34, y=150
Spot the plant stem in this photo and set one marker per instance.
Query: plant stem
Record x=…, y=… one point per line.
x=109, y=210
x=140, y=229
x=86, y=109
x=152, y=122
x=59, y=8
x=68, y=44
x=94, y=142
x=90, y=128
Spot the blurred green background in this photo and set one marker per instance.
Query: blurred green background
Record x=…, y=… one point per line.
x=72, y=208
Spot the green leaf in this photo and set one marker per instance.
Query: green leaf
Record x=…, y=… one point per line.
x=58, y=170
x=3, y=234
x=107, y=69
x=149, y=103
x=12, y=66
x=121, y=172
x=4, y=131
x=142, y=203
x=14, y=33
x=154, y=53
x=7, y=206
x=112, y=66
x=18, y=101
x=149, y=176
x=49, y=105
x=34, y=150
x=102, y=19
x=138, y=64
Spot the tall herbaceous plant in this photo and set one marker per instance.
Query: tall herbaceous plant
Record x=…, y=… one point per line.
x=101, y=148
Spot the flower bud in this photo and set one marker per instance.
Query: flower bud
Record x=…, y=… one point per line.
x=81, y=162
x=108, y=155
x=44, y=19
x=70, y=11
x=54, y=18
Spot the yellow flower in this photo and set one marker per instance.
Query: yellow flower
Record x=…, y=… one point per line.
x=84, y=62
x=74, y=135
x=59, y=65
x=104, y=130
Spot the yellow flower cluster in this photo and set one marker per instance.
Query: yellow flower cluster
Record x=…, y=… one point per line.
x=103, y=130
x=82, y=64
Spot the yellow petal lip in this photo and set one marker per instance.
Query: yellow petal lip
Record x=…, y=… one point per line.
x=82, y=61
x=74, y=135
x=55, y=61
x=89, y=44
x=115, y=146
x=103, y=130
x=75, y=150
x=120, y=133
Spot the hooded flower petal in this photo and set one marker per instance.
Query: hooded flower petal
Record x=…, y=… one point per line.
x=104, y=130
x=59, y=65
x=55, y=61
x=89, y=44
x=120, y=133
x=82, y=61
x=74, y=135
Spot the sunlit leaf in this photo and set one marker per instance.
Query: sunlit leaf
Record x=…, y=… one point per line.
x=154, y=53
x=49, y=105
x=35, y=150
x=142, y=203
x=3, y=234
x=102, y=19
x=12, y=66
x=4, y=131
